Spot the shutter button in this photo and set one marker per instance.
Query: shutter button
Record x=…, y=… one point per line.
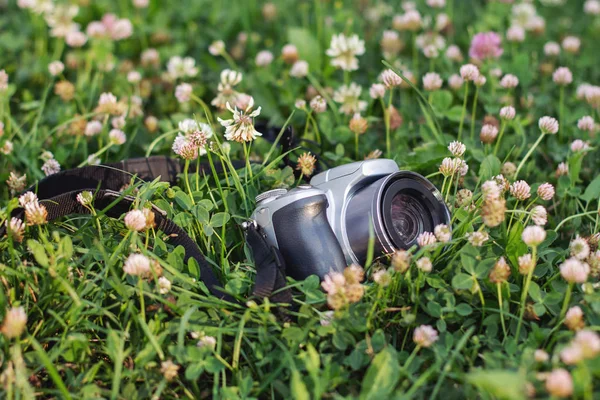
x=270, y=194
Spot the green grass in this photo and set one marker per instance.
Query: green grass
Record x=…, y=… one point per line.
x=94, y=331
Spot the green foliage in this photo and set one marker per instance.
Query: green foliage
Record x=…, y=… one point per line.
x=94, y=331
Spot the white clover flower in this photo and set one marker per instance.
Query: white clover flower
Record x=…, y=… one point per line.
x=457, y=149
x=390, y=79
x=546, y=191
x=579, y=146
x=574, y=270
x=539, y=215
x=118, y=122
x=589, y=341
x=592, y=7
x=586, y=124
x=241, y=127
x=521, y=190
x=426, y=239
x=455, y=82
x=425, y=336
x=424, y=264
x=449, y=166
x=377, y=91
x=477, y=239
x=490, y=190
x=164, y=285
x=480, y=81
x=548, y=125
x=515, y=34
x=135, y=220
x=541, y=356
x=121, y=29
x=559, y=383
x=507, y=113
x=571, y=44
x=409, y=21
x=137, y=265
x=318, y=104
x=134, y=77
x=178, y=67
x=552, y=49
x=562, y=76
x=28, y=198
x=51, y=167
x=469, y=72
x=15, y=322
x=382, y=278
x=349, y=97
x=208, y=342
x=344, y=50
x=453, y=53
x=60, y=19
x=442, y=233
x=85, y=198
x=509, y=81
x=56, y=68
x=183, y=92
x=432, y=81
x=579, y=248
x=299, y=69
x=217, y=48
x=533, y=236
x=76, y=39
x=264, y=58
x=488, y=133
x=117, y=137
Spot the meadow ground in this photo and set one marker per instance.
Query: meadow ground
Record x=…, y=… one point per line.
x=496, y=102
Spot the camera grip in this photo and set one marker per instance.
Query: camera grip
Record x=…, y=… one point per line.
x=306, y=240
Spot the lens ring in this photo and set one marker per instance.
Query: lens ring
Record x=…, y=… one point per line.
x=410, y=205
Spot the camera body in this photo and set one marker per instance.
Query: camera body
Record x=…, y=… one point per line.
x=327, y=225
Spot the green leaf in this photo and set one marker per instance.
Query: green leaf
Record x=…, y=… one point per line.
x=462, y=281
x=38, y=251
x=201, y=213
x=592, y=192
x=382, y=375
x=308, y=47
x=535, y=292
x=183, y=200
x=434, y=309
x=463, y=309
x=499, y=384
x=441, y=100
x=490, y=167
x=219, y=219
x=454, y=113
x=299, y=390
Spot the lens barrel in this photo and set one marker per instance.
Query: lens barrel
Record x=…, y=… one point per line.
x=397, y=208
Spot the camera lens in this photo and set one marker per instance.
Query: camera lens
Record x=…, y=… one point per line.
x=407, y=213
x=395, y=209
x=410, y=205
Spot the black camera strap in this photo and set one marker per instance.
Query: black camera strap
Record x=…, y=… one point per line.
x=58, y=193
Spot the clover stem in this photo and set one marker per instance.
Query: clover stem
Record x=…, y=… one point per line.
x=565, y=305
x=499, y=287
x=464, y=110
x=526, y=289
x=500, y=137
x=537, y=142
x=473, y=112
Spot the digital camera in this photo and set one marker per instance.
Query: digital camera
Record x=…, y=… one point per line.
x=327, y=225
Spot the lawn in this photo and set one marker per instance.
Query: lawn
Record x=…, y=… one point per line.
x=496, y=102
